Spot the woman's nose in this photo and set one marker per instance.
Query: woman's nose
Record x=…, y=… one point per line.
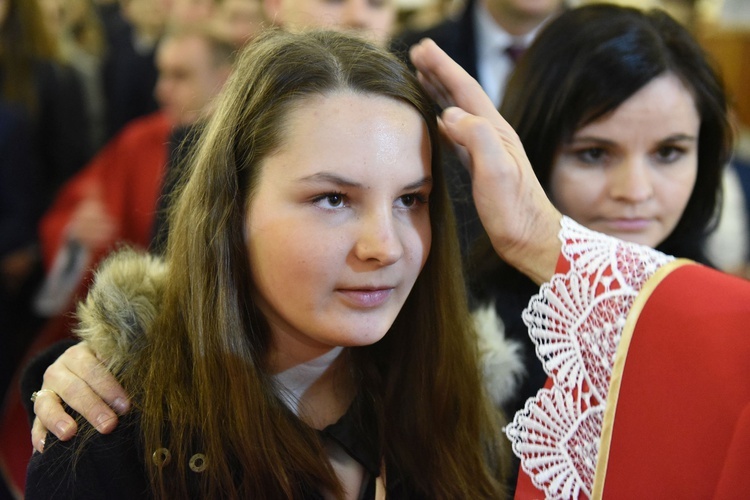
x=631, y=181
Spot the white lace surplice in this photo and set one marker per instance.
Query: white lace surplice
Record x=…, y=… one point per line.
x=575, y=322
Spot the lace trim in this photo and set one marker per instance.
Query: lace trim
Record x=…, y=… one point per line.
x=576, y=322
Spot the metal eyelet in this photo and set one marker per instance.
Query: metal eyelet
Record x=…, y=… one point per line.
x=161, y=457
x=198, y=462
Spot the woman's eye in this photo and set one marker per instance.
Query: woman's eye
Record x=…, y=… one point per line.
x=669, y=154
x=592, y=155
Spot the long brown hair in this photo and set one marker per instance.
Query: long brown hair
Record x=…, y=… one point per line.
x=202, y=383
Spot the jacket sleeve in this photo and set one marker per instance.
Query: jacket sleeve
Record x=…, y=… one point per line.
x=90, y=466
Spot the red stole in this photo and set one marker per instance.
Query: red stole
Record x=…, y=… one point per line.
x=677, y=419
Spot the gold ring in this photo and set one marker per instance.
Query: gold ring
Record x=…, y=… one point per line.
x=35, y=394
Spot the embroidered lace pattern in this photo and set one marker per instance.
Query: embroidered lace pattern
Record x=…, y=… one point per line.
x=575, y=322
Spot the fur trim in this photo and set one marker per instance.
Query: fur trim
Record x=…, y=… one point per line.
x=500, y=358
x=121, y=305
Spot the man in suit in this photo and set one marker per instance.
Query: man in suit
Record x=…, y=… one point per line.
x=488, y=37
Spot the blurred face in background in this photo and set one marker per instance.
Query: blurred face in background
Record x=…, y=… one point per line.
x=189, y=78
x=239, y=20
x=190, y=11
x=147, y=16
x=630, y=174
x=521, y=16
x=373, y=19
x=53, y=14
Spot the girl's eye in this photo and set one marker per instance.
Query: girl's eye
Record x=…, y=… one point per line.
x=330, y=200
x=412, y=199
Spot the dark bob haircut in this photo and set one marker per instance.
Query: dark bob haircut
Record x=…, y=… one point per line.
x=590, y=60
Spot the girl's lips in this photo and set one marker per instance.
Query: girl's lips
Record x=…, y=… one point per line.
x=366, y=297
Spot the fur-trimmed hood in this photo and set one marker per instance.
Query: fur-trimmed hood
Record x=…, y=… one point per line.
x=126, y=295
x=121, y=305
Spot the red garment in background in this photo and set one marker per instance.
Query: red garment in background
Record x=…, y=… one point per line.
x=127, y=175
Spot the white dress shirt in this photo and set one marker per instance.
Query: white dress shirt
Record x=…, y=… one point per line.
x=493, y=64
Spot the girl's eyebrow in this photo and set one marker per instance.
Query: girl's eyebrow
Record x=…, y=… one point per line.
x=330, y=177
x=343, y=181
x=425, y=181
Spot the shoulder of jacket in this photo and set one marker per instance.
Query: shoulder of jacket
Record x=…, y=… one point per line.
x=500, y=358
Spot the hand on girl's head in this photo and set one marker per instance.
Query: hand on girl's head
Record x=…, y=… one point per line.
x=503, y=182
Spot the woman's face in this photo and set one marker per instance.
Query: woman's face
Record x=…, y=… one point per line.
x=373, y=19
x=338, y=227
x=630, y=174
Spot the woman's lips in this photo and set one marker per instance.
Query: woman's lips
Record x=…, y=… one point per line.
x=628, y=225
x=366, y=297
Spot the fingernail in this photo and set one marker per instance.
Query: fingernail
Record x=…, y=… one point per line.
x=120, y=405
x=62, y=427
x=102, y=420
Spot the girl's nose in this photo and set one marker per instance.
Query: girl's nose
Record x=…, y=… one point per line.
x=379, y=240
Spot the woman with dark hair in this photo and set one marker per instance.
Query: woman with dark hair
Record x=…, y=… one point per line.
x=307, y=333
x=625, y=124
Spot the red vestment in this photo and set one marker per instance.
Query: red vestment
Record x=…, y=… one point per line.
x=669, y=343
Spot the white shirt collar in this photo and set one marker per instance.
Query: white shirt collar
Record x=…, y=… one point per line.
x=295, y=381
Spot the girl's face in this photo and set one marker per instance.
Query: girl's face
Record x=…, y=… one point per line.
x=630, y=174
x=338, y=226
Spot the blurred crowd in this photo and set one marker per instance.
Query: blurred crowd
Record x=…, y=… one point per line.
x=74, y=75
x=100, y=100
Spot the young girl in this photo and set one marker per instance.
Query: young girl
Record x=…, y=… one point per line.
x=307, y=334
